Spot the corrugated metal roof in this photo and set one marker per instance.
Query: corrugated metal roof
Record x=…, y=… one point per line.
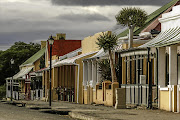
x=165, y=38
x=34, y=58
x=22, y=73
x=71, y=61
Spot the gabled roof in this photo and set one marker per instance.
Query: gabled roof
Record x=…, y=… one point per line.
x=34, y=58
x=151, y=18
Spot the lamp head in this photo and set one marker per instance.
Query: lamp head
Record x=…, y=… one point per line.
x=51, y=40
x=12, y=61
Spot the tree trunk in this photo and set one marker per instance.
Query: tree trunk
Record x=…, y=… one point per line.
x=131, y=28
x=113, y=72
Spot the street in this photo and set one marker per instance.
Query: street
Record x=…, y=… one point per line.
x=11, y=112
x=80, y=111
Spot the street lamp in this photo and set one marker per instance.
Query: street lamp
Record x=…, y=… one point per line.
x=12, y=62
x=51, y=41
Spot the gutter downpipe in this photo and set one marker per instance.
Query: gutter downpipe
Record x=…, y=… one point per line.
x=77, y=83
x=157, y=82
x=150, y=81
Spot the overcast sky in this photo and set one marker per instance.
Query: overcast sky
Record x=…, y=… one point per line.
x=35, y=20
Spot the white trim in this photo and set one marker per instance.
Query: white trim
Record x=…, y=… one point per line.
x=173, y=99
x=159, y=96
x=170, y=96
x=164, y=89
x=78, y=84
x=141, y=52
x=178, y=98
x=169, y=18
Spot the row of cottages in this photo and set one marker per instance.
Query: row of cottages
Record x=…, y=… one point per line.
x=150, y=72
x=28, y=83
x=147, y=73
x=61, y=50
x=67, y=73
x=133, y=67
x=19, y=86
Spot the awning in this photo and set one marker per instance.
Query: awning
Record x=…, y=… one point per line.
x=165, y=38
x=22, y=73
x=71, y=61
x=38, y=72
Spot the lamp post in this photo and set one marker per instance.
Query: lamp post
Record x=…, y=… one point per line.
x=51, y=41
x=12, y=62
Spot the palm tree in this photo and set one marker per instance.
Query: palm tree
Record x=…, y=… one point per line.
x=131, y=17
x=107, y=41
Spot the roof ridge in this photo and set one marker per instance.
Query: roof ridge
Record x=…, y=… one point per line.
x=34, y=57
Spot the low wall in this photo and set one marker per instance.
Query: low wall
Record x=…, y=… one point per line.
x=120, y=98
x=85, y=97
x=94, y=96
x=164, y=99
x=99, y=96
x=54, y=94
x=168, y=98
x=109, y=97
x=105, y=96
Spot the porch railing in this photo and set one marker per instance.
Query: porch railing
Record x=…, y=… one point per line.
x=138, y=93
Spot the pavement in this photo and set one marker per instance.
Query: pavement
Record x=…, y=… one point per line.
x=98, y=112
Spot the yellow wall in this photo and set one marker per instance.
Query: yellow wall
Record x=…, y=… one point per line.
x=94, y=96
x=99, y=99
x=36, y=65
x=23, y=86
x=109, y=97
x=46, y=82
x=164, y=100
x=79, y=61
x=55, y=78
x=85, y=97
x=179, y=100
x=89, y=43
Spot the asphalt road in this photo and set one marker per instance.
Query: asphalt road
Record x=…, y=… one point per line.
x=11, y=112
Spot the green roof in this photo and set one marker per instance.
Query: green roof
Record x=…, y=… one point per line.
x=150, y=18
x=35, y=57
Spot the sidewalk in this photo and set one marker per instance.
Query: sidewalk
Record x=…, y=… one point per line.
x=92, y=112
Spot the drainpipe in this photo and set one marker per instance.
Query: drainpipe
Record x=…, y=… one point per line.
x=77, y=83
x=150, y=82
x=157, y=57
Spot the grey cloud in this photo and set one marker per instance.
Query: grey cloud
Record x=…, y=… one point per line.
x=84, y=17
x=108, y=2
x=26, y=31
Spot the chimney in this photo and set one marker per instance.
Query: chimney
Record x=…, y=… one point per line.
x=43, y=44
x=60, y=36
